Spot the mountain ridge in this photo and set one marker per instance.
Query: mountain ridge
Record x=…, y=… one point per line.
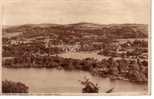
x=130, y=30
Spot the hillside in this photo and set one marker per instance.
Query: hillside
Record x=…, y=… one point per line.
x=111, y=30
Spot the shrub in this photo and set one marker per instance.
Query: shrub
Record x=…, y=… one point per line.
x=14, y=87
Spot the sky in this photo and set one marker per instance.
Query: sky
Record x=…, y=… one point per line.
x=16, y=12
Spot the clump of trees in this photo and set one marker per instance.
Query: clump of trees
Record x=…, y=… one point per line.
x=127, y=49
x=14, y=87
x=21, y=49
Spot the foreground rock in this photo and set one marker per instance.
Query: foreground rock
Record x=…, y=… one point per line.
x=89, y=87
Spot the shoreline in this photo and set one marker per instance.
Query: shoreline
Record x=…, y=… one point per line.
x=110, y=68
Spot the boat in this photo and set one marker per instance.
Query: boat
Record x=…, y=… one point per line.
x=109, y=91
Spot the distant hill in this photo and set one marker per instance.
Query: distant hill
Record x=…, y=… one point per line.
x=84, y=25
x=113, y=30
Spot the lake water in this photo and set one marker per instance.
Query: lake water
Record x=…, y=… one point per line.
x=83, y=55
x=60, y=81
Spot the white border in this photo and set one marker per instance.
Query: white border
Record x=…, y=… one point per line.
x=150, y=72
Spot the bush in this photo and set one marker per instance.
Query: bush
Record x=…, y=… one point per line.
x=13, y=87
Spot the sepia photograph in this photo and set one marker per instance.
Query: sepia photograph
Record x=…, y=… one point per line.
x=76, y=47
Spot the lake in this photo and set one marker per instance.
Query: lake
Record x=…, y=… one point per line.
x=60, y=81
x=83, y=55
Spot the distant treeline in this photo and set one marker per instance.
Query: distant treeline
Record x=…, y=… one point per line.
x=78, y=30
